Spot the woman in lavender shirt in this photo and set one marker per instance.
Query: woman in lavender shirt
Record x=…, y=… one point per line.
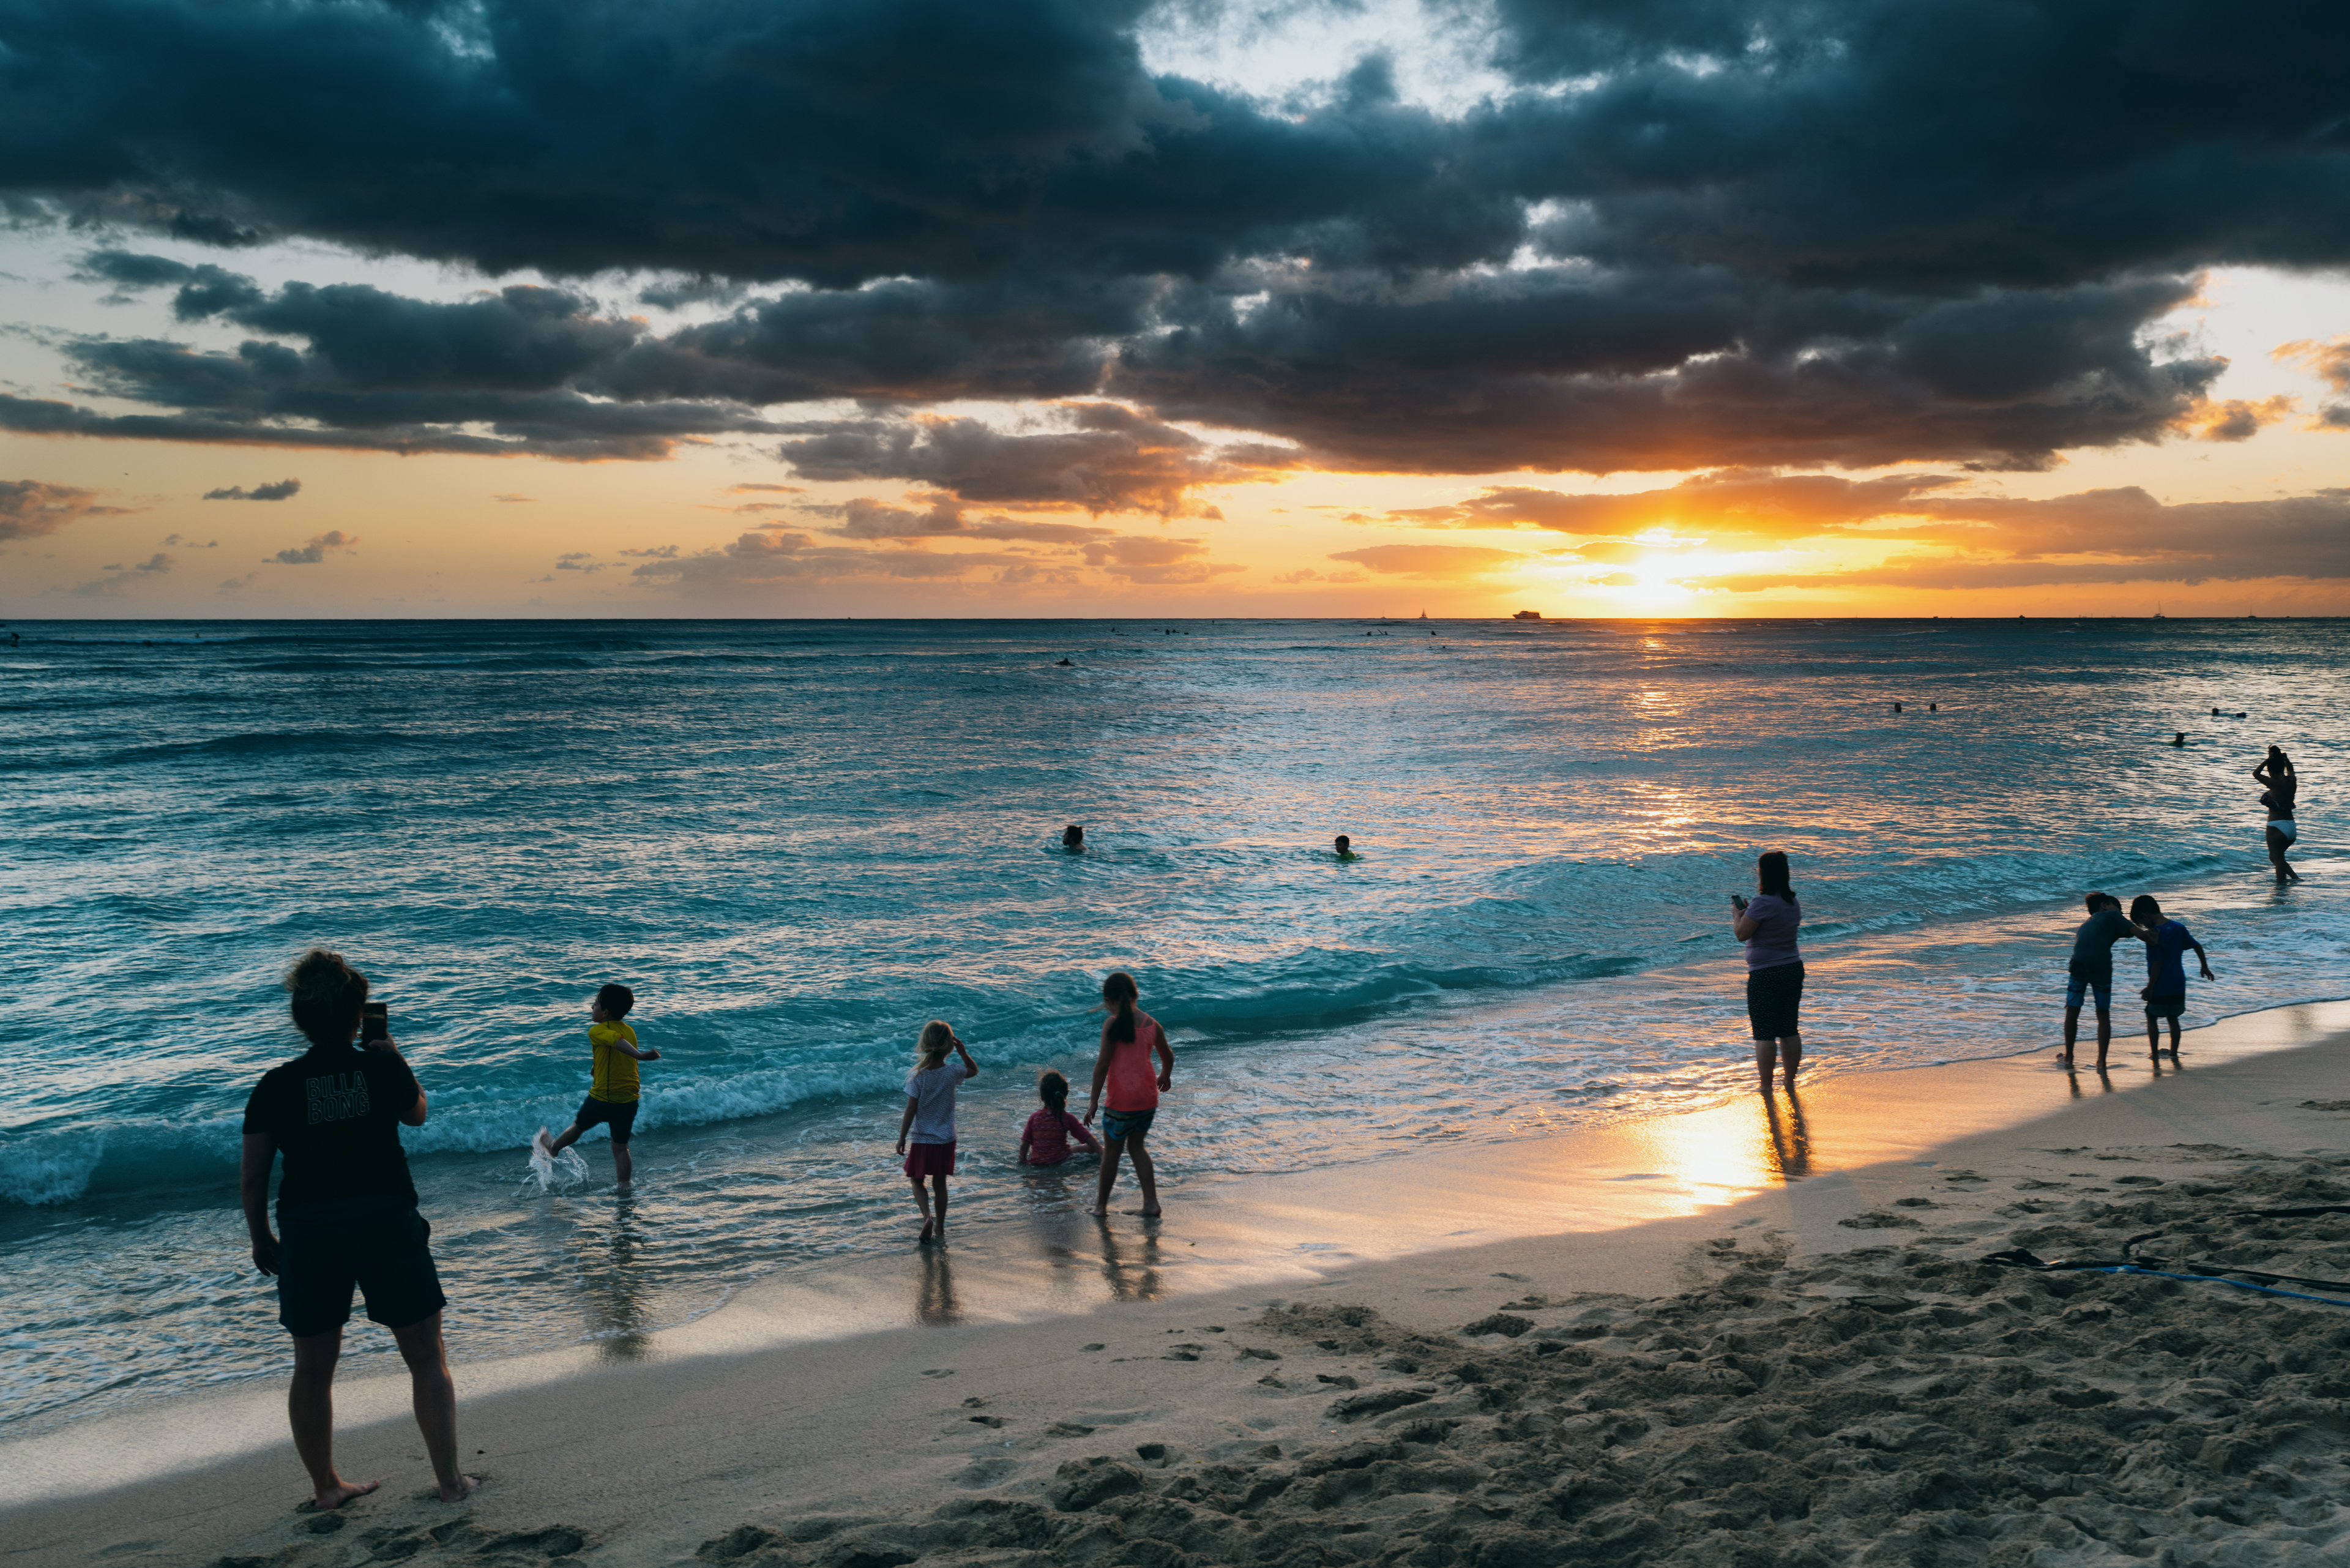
x=1775, y=967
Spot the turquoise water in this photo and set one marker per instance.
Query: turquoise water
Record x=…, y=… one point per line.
x=798, y=841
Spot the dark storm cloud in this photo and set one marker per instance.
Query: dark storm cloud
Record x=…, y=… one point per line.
x=1760, y=233
x=284, y=490
x=29, y=508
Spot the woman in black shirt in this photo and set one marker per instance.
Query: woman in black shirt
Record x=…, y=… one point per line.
x=346, y=1215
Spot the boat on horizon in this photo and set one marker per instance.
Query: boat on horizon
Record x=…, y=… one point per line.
x=1522, y=614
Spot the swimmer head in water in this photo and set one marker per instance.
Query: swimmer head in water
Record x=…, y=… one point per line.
x=1345, y=846
x=1073, y=837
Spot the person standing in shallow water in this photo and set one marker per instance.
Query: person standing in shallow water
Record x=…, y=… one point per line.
x=1775, y=968
x=347, y=1213
x=2283, y=786
x=1122, y=1067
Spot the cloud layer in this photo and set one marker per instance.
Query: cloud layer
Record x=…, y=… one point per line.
x=1760, y=233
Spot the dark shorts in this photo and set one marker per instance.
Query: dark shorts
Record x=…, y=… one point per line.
x=620, y=1117
x=1773, y=998
x=2169, y=1007
x=2078, y=985
x=1118, y=1125
x=380, y=1245
x=930, y=1160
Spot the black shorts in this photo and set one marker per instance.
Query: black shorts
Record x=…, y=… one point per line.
x=380, y=1244
x=2169, y=1007
x=621, y=1117
x=1774, y=997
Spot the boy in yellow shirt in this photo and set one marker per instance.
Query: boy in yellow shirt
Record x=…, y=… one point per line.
x=613, y=1092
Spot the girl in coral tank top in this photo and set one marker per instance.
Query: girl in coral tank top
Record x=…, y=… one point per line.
x=1123, y=1067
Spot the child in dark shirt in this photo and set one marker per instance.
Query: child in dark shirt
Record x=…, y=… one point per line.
x=2167, y=941
x=2091, y=970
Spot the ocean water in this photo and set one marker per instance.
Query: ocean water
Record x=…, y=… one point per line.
x=800, y=840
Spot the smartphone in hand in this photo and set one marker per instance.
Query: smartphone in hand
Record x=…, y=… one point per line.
x=375, y=1022
x=1738, y=902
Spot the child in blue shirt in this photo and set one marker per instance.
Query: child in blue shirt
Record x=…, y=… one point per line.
x=2167, y=941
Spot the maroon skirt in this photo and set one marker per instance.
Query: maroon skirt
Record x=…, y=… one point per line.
x=930, y=1160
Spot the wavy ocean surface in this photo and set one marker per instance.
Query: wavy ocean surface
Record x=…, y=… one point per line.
x=799, y=840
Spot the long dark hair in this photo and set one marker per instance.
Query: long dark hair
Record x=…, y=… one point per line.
x=328, y=994
x=1053, y=1089
x=1119, y=992
x=1770, y=873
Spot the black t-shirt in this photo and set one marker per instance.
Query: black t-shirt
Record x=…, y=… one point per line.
x=335, y=1115
x=2093, y=944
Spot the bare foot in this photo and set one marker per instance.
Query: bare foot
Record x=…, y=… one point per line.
x=927, y=1229
x=339, y=1493
x=466, y=1486
x=1146, y=1213
x=1098, y=1213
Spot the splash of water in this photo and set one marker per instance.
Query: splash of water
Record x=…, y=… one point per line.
x=553, y=1171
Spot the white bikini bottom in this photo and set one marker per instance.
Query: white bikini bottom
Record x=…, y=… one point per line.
x=2283, y=828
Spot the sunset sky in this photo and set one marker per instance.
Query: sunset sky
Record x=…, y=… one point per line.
x=796, y=308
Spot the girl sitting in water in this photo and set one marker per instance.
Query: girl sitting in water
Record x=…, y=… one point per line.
x=1045, y=1139
x=930, y=1118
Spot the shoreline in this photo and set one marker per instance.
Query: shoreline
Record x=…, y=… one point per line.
x=1625, y=1200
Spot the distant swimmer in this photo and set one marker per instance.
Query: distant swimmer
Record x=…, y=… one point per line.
x=1065, y=664
x=1346, y=848
x=1933, y=707
x=1073, y=837
x=2180, y=739
x=1896, y=707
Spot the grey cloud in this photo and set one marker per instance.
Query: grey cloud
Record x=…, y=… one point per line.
x=865, y=518
x=282, y=489
x=1113, y=460
x=316, y=551
x=119, y=579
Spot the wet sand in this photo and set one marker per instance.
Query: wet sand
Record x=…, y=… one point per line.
x=1140, y=1354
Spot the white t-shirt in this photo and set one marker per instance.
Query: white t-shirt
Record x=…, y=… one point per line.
x=933, y=1090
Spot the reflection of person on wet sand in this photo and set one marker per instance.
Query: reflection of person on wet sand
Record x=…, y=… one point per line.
x=1123, y=1065
x=934, y=1297
x=1130, y=1282
x=1790, y=1143
x=608, y=1273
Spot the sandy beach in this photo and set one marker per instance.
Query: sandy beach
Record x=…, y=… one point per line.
x=1719, y=1337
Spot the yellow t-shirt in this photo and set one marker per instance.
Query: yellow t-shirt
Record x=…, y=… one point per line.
x=615, y=1071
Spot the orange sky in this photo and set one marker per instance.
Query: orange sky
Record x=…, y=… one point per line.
x=726, y=528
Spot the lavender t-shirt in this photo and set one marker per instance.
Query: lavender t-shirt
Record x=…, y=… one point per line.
x=1773, y=941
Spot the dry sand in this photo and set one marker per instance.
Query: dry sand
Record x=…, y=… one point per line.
x=1823, y=1372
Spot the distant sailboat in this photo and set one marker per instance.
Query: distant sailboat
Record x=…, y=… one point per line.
x=1423, y=615
x=2157, y=611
